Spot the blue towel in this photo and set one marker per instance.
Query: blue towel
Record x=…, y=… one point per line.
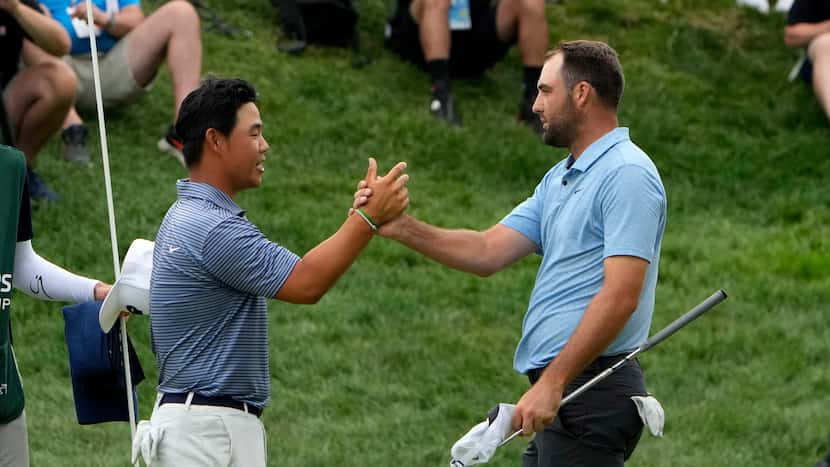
x=96, y=363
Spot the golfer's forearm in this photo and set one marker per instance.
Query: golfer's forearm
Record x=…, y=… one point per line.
x=603, y=320
x=323, y=265
x=465, y=250
x=45, y=32
x=800, y=34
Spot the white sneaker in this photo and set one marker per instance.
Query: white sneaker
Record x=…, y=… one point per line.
x=165, y=146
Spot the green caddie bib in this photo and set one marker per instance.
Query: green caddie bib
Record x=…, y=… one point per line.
x=12, y=175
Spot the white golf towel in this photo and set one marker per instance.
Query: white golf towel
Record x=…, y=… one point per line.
x=651, y=412
x=480, y=443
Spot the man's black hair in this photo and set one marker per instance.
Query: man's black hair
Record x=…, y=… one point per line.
x=212, y=105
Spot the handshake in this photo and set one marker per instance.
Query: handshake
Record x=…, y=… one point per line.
x=381, y=201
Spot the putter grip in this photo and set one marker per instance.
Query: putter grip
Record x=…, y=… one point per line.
x=690, y=316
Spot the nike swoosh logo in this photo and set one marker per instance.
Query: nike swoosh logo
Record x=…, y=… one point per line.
x=172, y=249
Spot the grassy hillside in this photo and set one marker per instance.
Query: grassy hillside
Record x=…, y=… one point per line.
x=403, y=356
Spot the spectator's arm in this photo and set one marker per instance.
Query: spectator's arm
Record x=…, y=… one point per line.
x=47, y=33
x=800, y=34
x=125, y=21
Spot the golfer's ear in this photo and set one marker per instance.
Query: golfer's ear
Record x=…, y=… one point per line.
x=581, y=92
x=212, y=138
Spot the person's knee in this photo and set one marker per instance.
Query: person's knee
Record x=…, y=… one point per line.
x=66, y=83
x=432, y=6
x=819, y=47
x=180, y=13
x=57, y=82
x=531, y=8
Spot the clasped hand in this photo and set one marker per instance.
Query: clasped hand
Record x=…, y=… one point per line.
x=389, y=194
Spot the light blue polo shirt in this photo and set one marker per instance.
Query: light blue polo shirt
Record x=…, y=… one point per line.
x=213, y=272
x=610, y=202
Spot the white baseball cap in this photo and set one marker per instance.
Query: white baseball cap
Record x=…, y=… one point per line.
x=131, y=291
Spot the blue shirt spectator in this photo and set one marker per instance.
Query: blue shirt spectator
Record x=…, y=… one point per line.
x=131, y=49
x=609, y=202
x=77, y=29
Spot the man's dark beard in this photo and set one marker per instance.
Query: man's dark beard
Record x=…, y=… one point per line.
x=560, y=135
x=561, y=130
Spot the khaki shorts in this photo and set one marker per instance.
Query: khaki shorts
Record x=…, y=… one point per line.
x=118, y=85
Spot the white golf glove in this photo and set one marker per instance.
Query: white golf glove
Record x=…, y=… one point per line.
x=480, y=443
x=146, y=441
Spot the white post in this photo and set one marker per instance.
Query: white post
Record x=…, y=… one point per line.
x=96, y=74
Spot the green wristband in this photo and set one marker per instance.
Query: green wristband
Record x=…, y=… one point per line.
x=368, y=219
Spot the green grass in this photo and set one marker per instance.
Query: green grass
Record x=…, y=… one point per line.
x=403, y=355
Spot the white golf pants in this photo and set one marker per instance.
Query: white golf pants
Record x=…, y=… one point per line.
x=205, y=436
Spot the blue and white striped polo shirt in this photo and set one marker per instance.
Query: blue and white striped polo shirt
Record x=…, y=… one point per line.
x=212, y=273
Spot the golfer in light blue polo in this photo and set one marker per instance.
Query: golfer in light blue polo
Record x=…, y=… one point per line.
x=597, y=219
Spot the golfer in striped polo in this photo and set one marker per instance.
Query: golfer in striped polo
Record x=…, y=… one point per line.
x=212, y=273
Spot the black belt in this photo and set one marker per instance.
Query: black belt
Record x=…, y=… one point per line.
x=215, y=401
x=597, y=366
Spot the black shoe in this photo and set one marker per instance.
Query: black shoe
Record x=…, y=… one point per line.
x=526, y=114
x=74, y=144
x=38, y=189
x=442, y=107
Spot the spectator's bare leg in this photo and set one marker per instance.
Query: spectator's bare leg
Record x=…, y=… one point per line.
x=433, y=24
x=72, y=118
x=37, y=99
x=525, y=18
x=33, y=55
x=525, y=21
x=172, y=34
x=432, y=17
x=819, y=53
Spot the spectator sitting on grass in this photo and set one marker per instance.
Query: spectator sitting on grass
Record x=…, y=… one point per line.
x=133, y=48
x=36, y=98
x=808, y=26
x=463, y=38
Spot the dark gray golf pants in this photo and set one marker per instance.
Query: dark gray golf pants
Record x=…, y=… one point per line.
x=600, y=428
x=14, y=443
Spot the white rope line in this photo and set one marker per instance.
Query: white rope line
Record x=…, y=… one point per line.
x=96, y=74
